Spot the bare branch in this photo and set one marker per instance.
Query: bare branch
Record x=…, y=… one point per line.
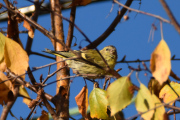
x=48, y=106
x=71, y=26
x=9, y=104
x=22, y=82
x=163, y=104
x=171, y=16
x=110, y=29
x=142, y=12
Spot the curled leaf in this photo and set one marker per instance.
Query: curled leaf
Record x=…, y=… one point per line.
x=29, y=28
x=82, y=101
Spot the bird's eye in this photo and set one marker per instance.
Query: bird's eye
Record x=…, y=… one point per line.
x=107, y=49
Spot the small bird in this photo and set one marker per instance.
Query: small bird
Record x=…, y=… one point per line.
x=91, y=66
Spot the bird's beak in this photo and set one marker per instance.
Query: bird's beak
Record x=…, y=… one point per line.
x=113, y=52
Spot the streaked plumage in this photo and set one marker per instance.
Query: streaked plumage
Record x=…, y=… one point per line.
x=82, y=67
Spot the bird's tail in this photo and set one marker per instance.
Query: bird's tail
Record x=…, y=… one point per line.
x=57, y=53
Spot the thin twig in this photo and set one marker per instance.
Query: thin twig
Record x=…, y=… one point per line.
x=71, y=26
x=32, y=110
x=163, y=104
x=34, y=18
x=171, y=113
x=110, y=29
x=104, y=85
x=171, y=16
x=60, y=80
x=142, y=12
x=172, y=107
x=72, y=58
x=39, y=54
x=138, y=60
x=48, y=106
x=50, y=75
x=22, y=82
x=51, y=36
x=9, y=104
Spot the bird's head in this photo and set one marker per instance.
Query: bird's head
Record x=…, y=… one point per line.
x=109, y=51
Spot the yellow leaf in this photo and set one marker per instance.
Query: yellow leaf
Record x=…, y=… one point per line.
x=159, y=112
x=44, y=116
x=22, y=91
x=167, y=94
x=2, y=44
x=160, y=62
x=3, y=66
x=4, y=88
x=82, y=101
x=144, y=102
x=15, y=56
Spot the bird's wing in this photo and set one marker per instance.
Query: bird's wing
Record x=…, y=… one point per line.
x=92, y=56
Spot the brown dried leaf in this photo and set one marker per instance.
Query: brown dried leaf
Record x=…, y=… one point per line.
x=160, y=63
x=80, y=2
x=44, y=116
x=4, y=88
x=154, y=87
x=82, y=100
x=30, y=30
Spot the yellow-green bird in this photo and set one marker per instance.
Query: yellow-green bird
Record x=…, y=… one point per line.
x=92, y=65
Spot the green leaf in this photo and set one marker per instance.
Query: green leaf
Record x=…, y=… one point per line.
x=144, y=102
x=119, y=95
x=159, y=112
x=98, y=104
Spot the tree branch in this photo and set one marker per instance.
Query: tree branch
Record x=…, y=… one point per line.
x=48, y=106
x=62, y=105
x=110, y=29
x=142, y=12
x=171, y=16
x=71, y=26
x=9, y=104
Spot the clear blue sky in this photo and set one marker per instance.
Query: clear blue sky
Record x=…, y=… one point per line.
x=130, y=38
